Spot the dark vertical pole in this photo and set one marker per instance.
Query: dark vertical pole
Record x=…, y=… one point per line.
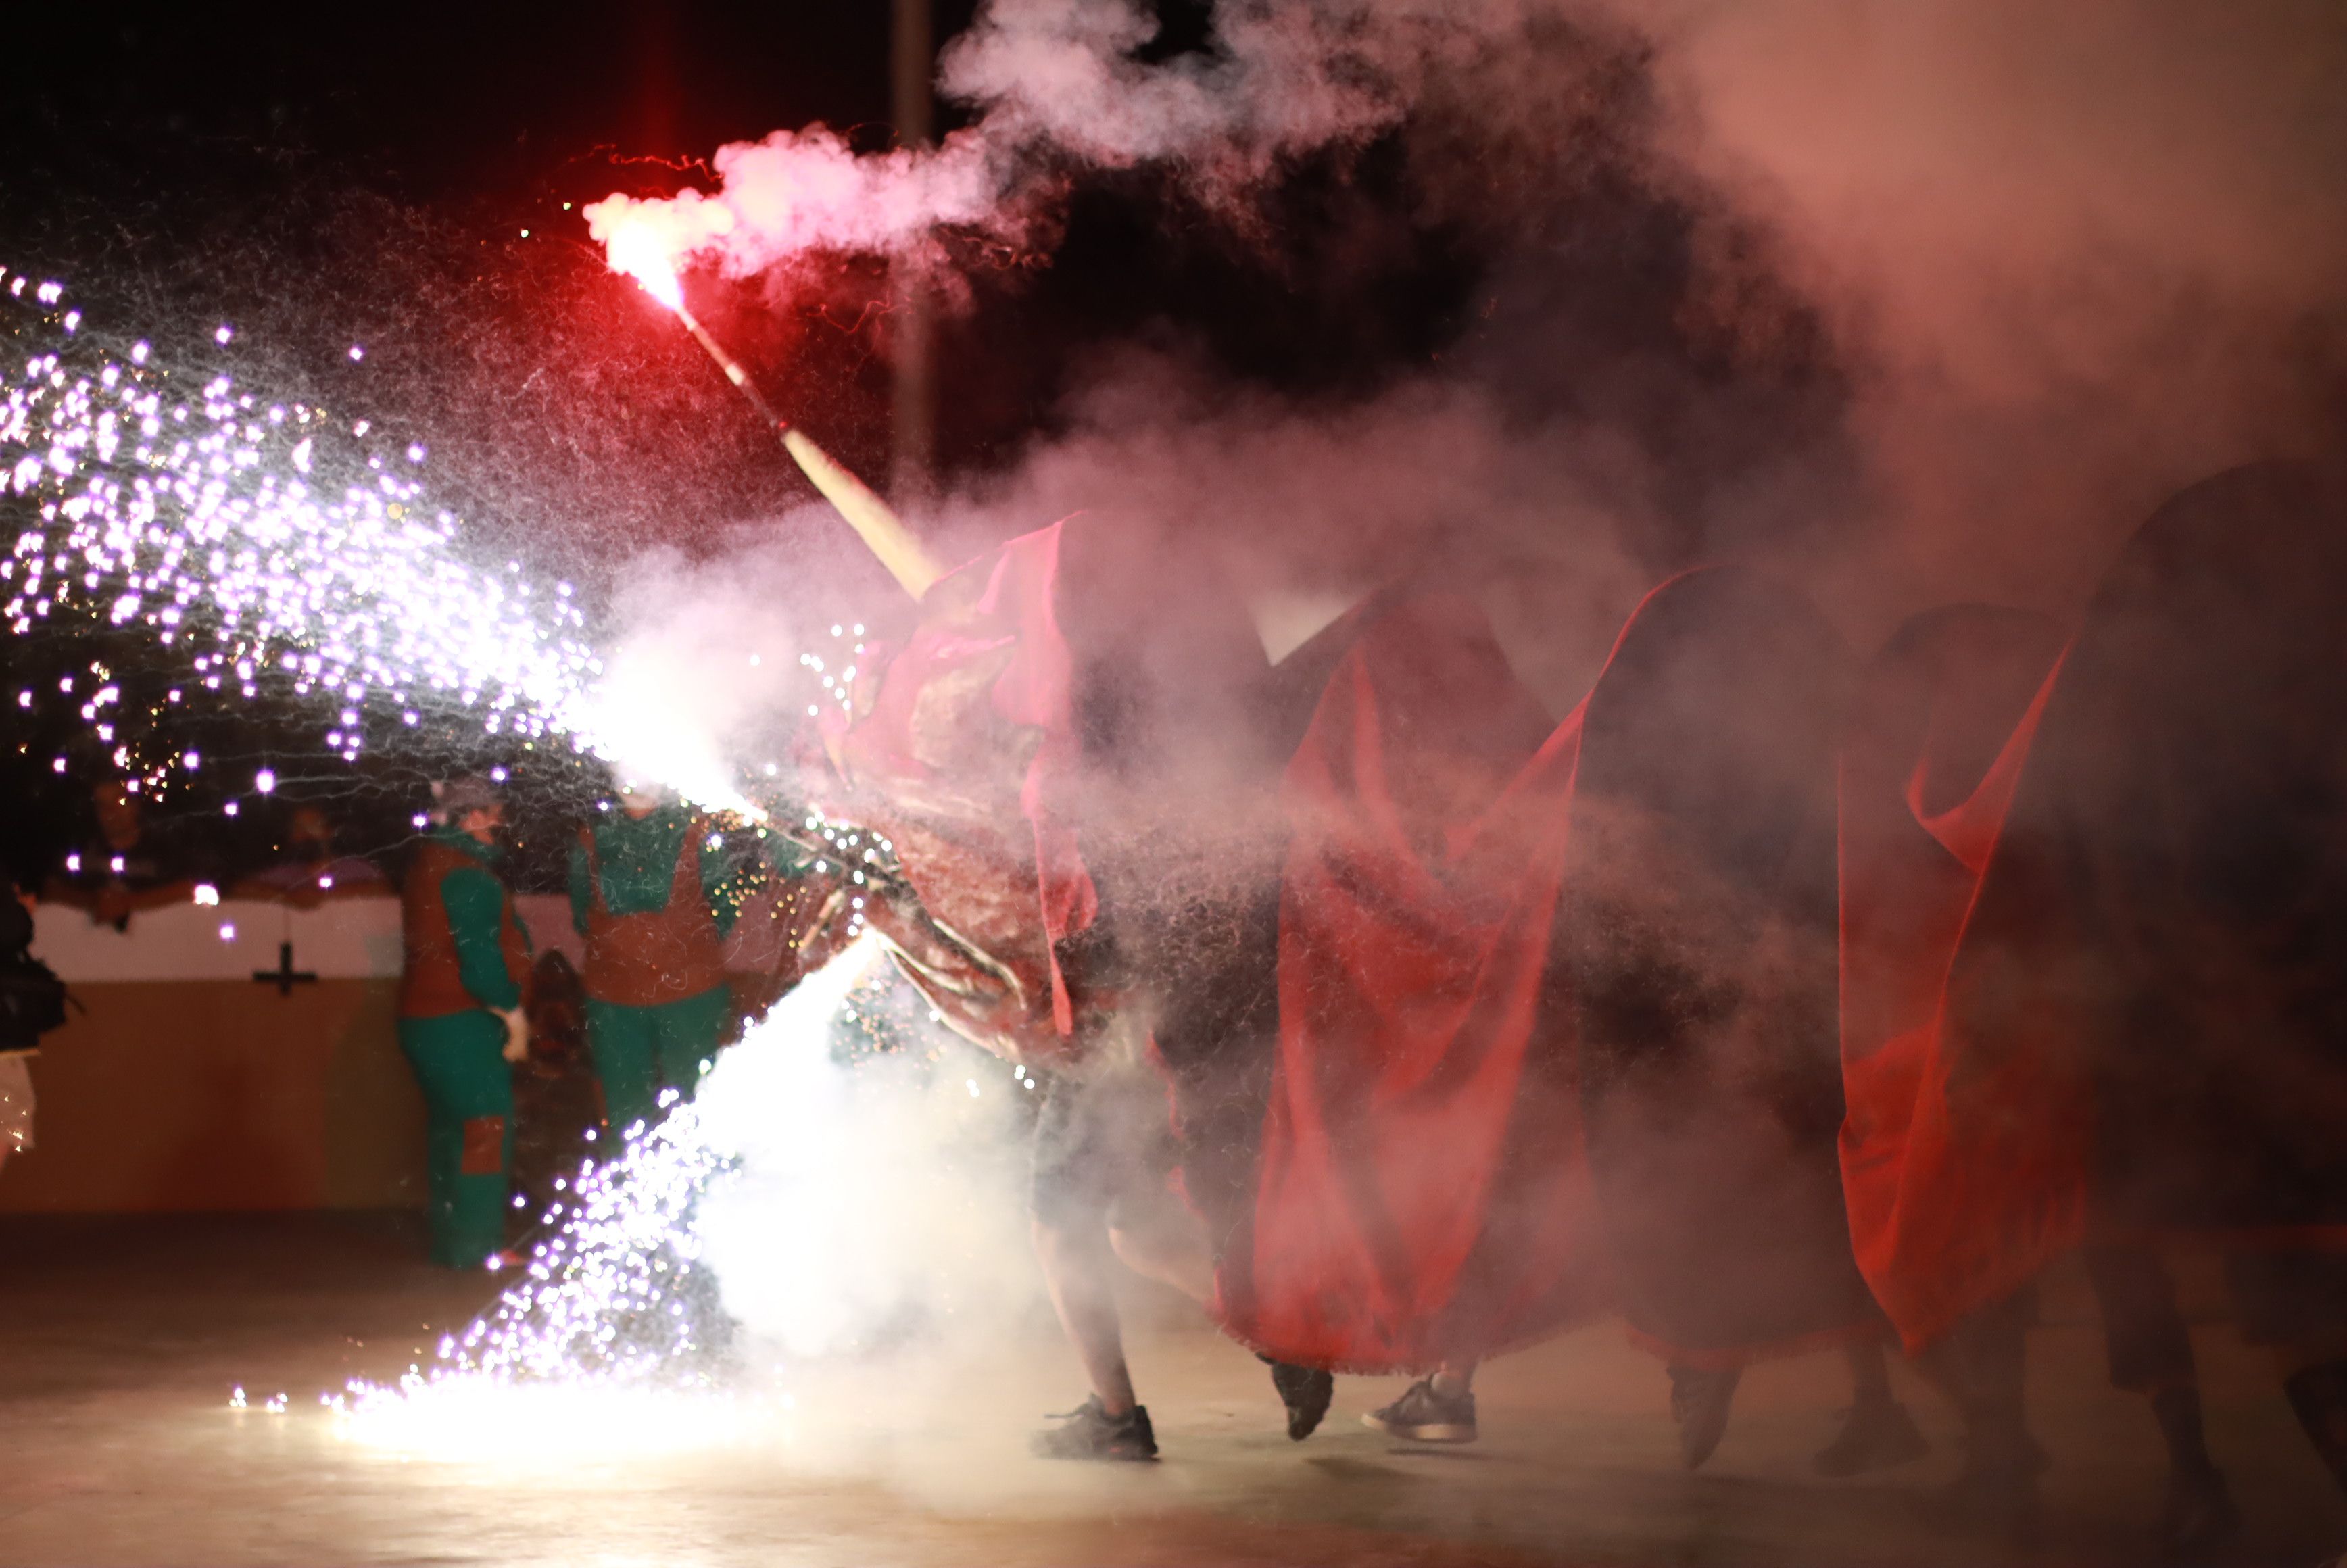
x=912, y=62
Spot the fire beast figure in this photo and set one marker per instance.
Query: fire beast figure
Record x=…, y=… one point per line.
x=1066, y=760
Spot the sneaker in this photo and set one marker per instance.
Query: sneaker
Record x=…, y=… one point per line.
x=1088, y=1431
x=2200, y=1518
x=1306, y=1391
x=1700, y=1403
x=1874, y=1436
x=1425, y=1415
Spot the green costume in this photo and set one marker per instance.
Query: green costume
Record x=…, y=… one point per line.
x=466, y=954
x=654, y=897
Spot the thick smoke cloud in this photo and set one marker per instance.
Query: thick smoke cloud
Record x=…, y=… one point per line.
x=2076, y=255
x=1916, y=304
x=1058, y=88
x=1913, y=304
x=705, y=689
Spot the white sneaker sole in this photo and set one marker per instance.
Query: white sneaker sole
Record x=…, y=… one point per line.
x=1437, y=1432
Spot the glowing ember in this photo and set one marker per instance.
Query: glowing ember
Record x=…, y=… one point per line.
x=638, y=255
x=648, y=239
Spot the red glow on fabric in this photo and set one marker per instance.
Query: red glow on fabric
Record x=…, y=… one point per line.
x=1963, y=1159
x=1420, y=889
x=979, y=702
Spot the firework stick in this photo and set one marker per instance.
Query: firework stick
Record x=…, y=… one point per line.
x=907, y=561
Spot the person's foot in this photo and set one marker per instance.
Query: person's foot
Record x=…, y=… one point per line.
x=2200, y=1517
x=1699, y=1403
x=1088, y=1431
x=1306, y=1391
x=1877, y=1436
x=1426, y=1415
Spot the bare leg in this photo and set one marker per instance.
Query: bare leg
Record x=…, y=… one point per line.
x=1168, y=1246
x=1079, y=1270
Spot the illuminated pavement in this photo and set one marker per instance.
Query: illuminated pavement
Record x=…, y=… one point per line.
x=119, y=1341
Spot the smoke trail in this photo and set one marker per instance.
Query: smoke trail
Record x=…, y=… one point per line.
x=1060, y=90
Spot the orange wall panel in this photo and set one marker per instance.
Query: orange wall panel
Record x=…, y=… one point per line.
x=182, y=1095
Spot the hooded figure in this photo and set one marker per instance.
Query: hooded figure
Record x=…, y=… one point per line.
x=1698, y=944
x=2146, y=1018
x=1423, y=1203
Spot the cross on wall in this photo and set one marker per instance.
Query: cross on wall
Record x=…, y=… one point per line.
x=285, y=977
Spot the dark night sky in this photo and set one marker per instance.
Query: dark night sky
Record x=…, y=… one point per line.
x=444, y=102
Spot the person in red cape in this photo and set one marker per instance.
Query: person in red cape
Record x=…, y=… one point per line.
x=1943, y=723
x=2140, y=1033
x=1065, y=765
x=1422, y=1201
x=1697, y=945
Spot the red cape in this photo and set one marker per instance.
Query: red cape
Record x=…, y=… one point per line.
x=1422, y=1193
x=1963, y=1169
x=2141, y=1018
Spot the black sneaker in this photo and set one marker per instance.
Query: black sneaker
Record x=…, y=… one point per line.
x=1088, y=1431
x=1700, y=1403
x=1875, y=1437
x=1426, y=1415
x=1306, y=1391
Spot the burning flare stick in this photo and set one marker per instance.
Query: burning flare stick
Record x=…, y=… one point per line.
x=908, y=561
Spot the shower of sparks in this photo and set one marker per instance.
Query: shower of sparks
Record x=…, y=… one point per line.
x=618, y=1301
x=273, y=550
x=266, y=542
x=278, y=549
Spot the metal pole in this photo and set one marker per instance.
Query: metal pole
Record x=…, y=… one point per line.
x=913, y=408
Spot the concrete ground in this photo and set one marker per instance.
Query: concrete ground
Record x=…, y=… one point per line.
x=120, y=1339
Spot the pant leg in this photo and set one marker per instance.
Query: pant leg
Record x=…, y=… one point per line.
x=469, y=1131
x=686, y=1034
x=621, y=1039
x=2149, y=1346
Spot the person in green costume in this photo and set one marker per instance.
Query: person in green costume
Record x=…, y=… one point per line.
x=652, y=892
x=460, y=1019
